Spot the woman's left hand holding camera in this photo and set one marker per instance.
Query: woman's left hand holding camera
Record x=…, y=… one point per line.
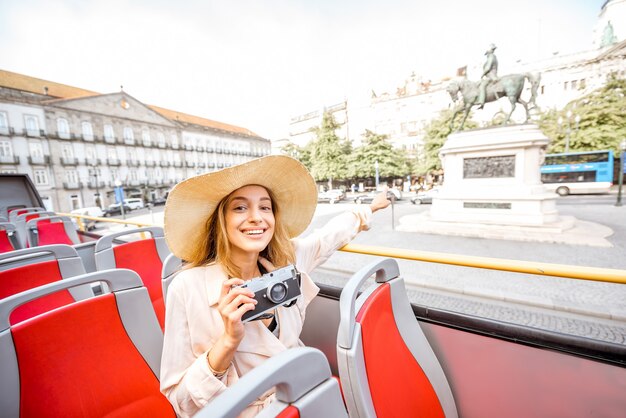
x=234, y=301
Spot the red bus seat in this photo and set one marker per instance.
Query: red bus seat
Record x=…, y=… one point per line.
x=144, y=256
x=171, y=267
x=15, y=212
x=24, y=216
x=26, y=269
x=386, y=365
x=304, y=385
x=47, y=230
x=8, y=237
x=92, y=358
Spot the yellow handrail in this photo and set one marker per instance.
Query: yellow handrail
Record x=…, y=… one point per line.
x=502, y=264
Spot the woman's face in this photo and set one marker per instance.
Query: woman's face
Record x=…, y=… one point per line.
x=249, y=220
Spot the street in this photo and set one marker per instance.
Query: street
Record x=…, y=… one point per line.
x=578, y=307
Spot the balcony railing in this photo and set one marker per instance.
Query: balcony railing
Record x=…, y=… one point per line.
x=93, y=161
x=7, y=130
x=113, y=161
x=177, y=163
x=96, y=185
x=9, y=159
x=189, y=164
x=39, y=159
x=73, y=185
x=33, y=132
x=164, y=163
x=109, y=139
x=150, y=163
x=162, y=145
x=188, y=147
x=175, y=146
x=88, y=137
x=69, y=161
x=133, y=163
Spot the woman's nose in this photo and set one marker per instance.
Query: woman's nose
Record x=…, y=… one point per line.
x=255, y=216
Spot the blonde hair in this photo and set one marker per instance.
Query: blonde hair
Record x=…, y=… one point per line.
x=215, y=246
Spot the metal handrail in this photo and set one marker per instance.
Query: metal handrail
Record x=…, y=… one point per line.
x=598, y=274
x=516, y=266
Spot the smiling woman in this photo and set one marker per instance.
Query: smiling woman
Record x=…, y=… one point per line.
x=232, y=226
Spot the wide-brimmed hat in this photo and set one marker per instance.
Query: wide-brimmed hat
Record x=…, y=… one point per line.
x=191, y=202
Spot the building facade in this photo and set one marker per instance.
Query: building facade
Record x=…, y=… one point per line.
x=402, y=115
x=77, y=145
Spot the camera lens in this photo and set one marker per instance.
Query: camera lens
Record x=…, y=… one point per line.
x=277, y=292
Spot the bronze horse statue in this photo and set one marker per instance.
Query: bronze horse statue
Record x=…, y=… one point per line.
x=510, y=86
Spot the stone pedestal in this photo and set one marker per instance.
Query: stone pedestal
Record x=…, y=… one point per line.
x=492, y=177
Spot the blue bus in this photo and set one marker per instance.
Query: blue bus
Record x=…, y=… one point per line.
x=578, y=172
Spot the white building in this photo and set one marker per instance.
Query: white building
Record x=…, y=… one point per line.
x=78, y=145
x=403, y=114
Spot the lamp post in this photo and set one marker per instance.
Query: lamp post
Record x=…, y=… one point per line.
x=620, y=174
x=568, y=131
x=119, y=195
x=95, y=173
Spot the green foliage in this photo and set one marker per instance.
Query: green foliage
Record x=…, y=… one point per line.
x=302, y=154
x=436, y=133
x=391, y=163
x=602, y=123
x=329, y=154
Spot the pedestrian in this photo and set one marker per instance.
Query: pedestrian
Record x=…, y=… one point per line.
x=230, y=226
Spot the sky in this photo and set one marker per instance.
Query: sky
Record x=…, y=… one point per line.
x=257, y=63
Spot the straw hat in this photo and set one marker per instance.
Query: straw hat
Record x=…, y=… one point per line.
x=191, y=202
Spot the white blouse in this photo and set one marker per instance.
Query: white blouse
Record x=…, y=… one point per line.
x=193, y=323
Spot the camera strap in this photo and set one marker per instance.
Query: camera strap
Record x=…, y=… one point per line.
x=299, y=279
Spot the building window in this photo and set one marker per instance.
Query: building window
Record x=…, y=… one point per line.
x=145, y=137
x=574, y=84
x=41, y=177
x=161, y=139
x=174, y=140
x=36, y=149
x=133, y=175
x=542, y=89
x=63, y=128
x=5, y=149
x=4, y=123
x=32, y=125
x=87, y=131
x=71, y=176
x=90, y=152
x=108, y=132
x=128, y=134
x=67, y=151
x=565, y=85
x=111, y=153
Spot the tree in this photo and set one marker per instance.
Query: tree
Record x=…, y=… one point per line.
x=329, y=154
x=391, y=163
x=436, y=133
x=602, y=122
x=302, y=154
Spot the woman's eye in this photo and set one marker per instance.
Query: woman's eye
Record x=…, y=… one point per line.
x=239, y=208
x=266, y=208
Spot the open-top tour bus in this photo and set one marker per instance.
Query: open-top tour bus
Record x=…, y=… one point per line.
x=81, y=335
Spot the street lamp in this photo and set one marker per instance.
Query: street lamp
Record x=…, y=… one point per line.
x=569, y=127
x=620, y=174
x=95, y=173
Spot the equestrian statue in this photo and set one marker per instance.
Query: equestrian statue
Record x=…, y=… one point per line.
x=492, y=88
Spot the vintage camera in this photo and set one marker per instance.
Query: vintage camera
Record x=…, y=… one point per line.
x=277, y=288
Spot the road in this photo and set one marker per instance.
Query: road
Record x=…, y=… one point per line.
x=584, y=308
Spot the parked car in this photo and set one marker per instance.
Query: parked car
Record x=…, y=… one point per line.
x=116, y=209
x=368, y=197
x=94, y=211
x=134, y=203
x=158, y=201
x=330, y=196
x=424, y=197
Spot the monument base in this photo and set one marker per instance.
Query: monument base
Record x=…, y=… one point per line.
x=492, y=177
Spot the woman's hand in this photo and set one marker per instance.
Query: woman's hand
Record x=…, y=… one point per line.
x=380, y=200
x=234, y=301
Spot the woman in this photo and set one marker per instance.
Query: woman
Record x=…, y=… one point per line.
x=231, y=226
